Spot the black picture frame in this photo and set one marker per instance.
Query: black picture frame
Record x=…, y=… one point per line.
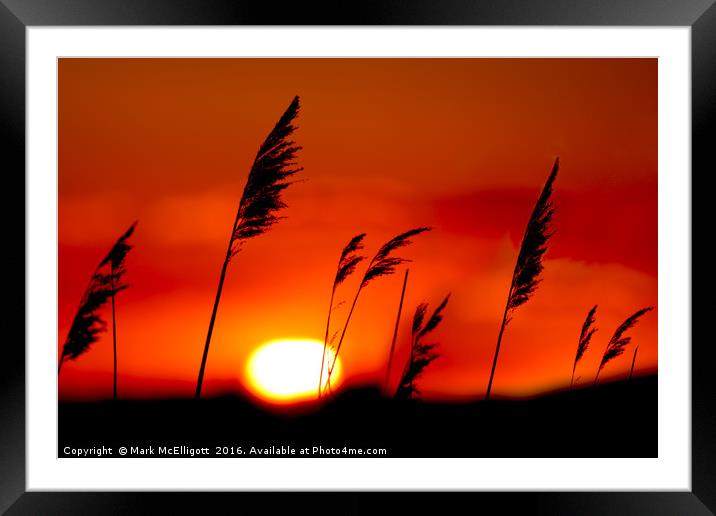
x=17, y=15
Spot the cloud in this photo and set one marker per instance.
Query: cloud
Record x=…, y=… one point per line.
x=605, y=224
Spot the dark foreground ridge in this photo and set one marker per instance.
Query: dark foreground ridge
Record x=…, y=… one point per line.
x=611, y=420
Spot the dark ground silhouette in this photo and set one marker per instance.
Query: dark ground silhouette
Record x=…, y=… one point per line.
x=610, y=420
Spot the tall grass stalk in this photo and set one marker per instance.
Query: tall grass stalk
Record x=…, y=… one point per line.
x=421, y=355
x=633, y=360
x=528, y=267
x=619, y=341
x=260, y=203
x=382, y=264
x=88, y=323
x=395, y=332
x=347, y=264
x=584, y=338
x=115, y=261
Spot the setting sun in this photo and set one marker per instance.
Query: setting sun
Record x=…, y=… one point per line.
x=287, y=370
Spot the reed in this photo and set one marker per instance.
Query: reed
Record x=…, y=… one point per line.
x=588, y=330
x=421, y=355
x=347, y=264
x=115, y=260
x=619, y=341
x=260, y=203
x=395, y=332
x=88, y=323
x=382, y=264
x=528, y=267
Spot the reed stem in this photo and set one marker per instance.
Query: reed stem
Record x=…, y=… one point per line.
x=499, y=341
x=222, y=277
x=325, y=341
x=633, y=360
x=600, y=365
x=395, y=332
x=343, y=334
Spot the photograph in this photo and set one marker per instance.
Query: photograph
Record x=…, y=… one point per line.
x=357, y=257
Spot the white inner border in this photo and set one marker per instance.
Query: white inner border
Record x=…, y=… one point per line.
x=670, y=471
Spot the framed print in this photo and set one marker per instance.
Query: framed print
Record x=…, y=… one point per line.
x=289, y=251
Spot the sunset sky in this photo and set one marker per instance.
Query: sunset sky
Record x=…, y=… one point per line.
x=462, y=145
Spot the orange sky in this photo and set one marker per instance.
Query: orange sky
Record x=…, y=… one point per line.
x=462, y=145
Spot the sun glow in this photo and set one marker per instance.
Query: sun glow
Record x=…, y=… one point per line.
x=287, y=370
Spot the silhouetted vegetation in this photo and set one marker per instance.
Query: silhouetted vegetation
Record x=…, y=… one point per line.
x=259, y=210
x=525, y=277
x=260, y=202
x=395, y=332
x=633, y=360
x=382, y=264
x=421, y=354
x=364, y=418
x=347, y=264
x=88, y=323
x=115, y=259
x=584, y=338
x=619, y=341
